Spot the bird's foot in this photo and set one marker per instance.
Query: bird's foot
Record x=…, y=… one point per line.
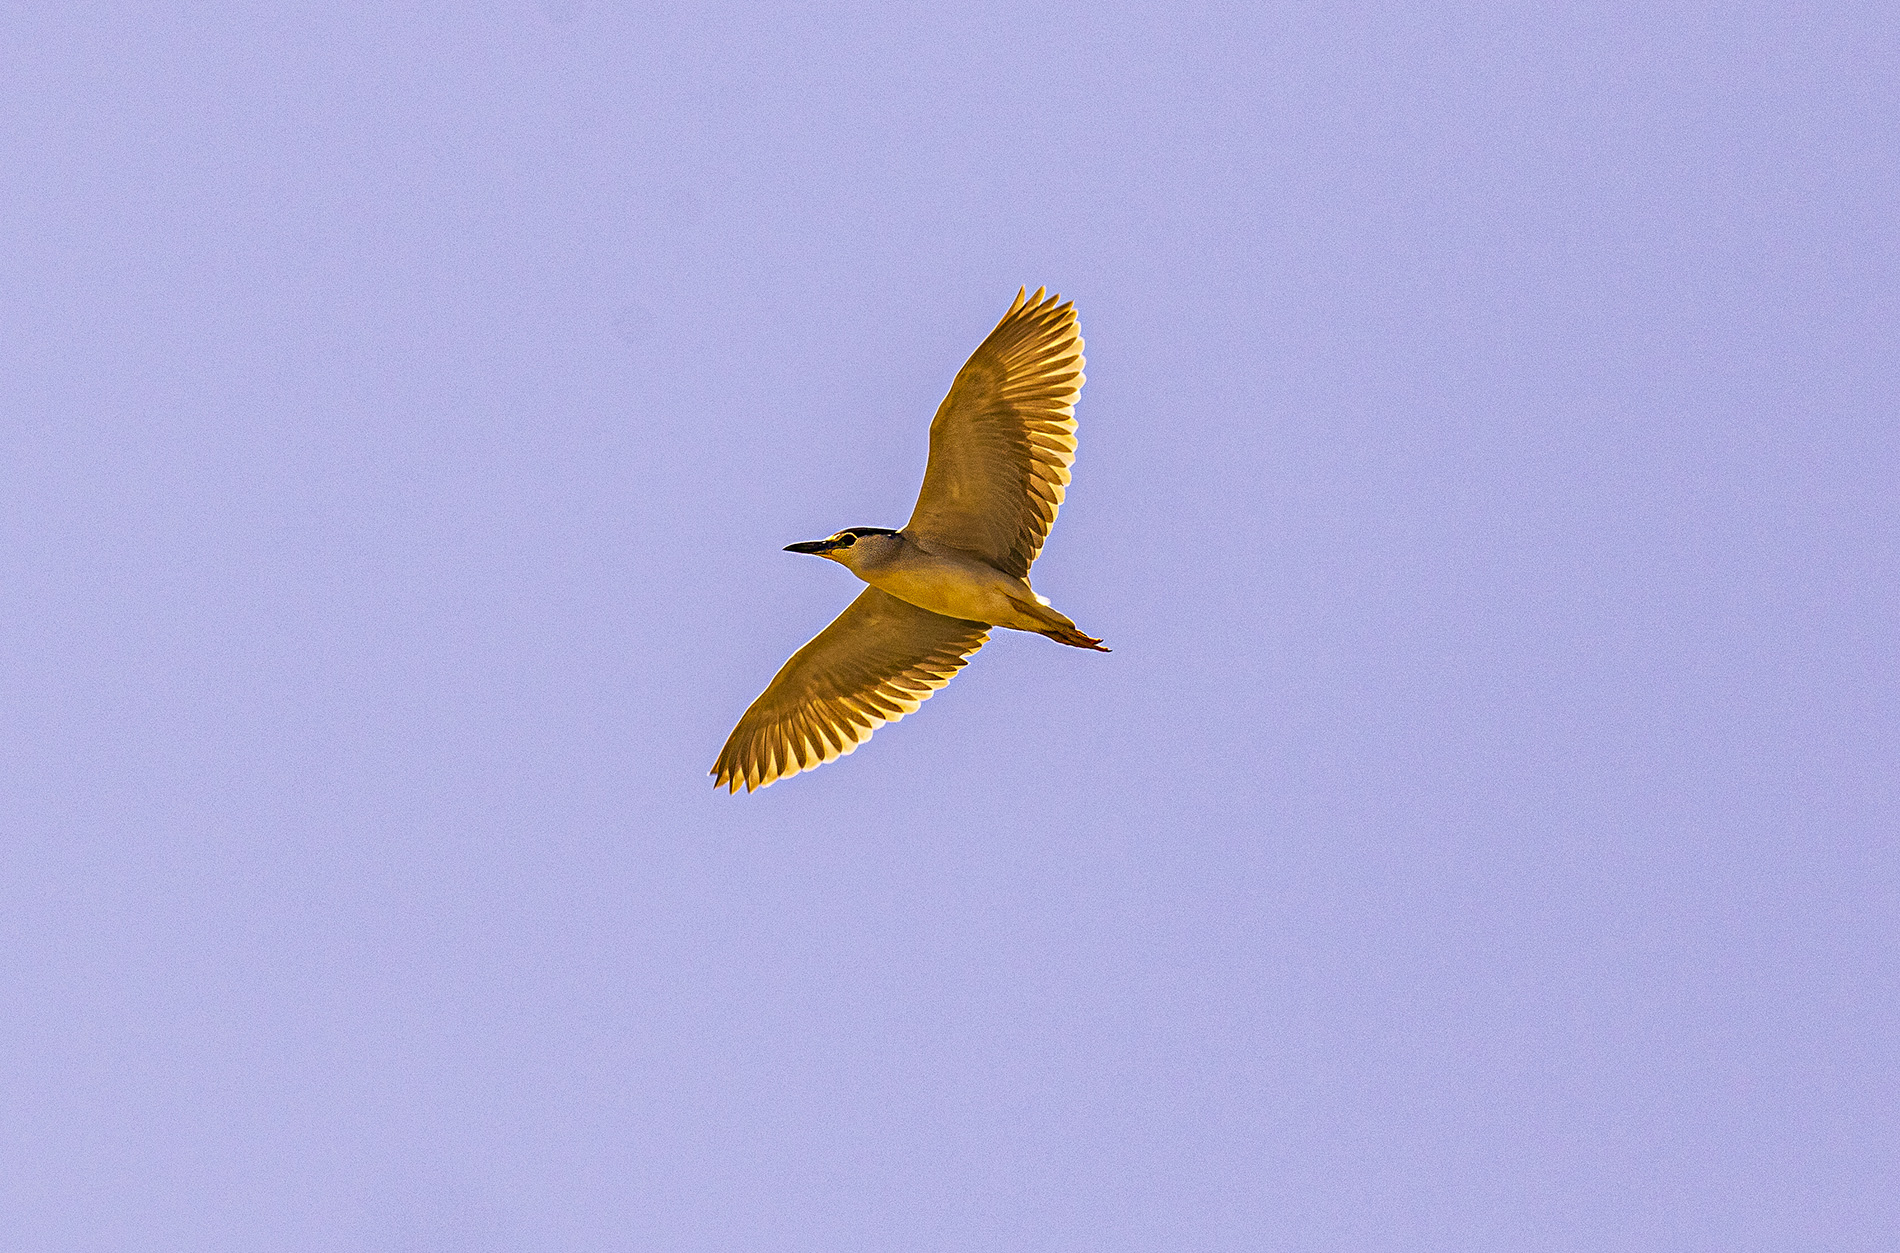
x=1075, y=639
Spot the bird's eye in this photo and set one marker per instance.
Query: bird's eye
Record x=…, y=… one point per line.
x=846, y=539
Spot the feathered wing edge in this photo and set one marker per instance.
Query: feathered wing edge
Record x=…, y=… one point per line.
x=878, y=660
x=1019, y=388
x=1045, y=370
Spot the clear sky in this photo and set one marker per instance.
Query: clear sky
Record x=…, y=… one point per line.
x=1482, y=836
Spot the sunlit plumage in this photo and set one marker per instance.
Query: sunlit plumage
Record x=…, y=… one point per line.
x=1000, y=450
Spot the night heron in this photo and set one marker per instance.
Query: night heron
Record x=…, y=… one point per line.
x=1000, y=450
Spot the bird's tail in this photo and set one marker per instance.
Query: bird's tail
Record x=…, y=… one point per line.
x=1075, y=639
x=1057, y=626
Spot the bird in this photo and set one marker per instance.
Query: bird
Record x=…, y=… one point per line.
x=1001, y=446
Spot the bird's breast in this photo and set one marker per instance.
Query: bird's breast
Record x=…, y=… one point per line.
x=956, y=589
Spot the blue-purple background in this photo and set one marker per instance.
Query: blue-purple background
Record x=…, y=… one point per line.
x=1482, y=837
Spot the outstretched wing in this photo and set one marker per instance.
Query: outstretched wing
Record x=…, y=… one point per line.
x=1004, y=438
x=880, y=659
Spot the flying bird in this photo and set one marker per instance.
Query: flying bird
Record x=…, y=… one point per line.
x=1002, y=445
x=1000, y=450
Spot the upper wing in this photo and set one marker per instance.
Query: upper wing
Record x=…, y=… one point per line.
x=880, y=659
x=1004, y=438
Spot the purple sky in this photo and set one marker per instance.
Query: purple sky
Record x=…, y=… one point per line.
x=1481, y=838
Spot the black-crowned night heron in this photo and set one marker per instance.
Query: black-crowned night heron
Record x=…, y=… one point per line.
x=1000, y=450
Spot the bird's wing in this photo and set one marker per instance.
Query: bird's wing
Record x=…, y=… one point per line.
x=1004, y=438
x=878, y=661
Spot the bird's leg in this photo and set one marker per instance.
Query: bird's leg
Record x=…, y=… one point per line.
x=1074, y=638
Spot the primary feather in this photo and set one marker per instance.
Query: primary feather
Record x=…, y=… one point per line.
x=1004, y=438
x=879, y=660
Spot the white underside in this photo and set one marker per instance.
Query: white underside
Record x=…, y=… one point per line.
x=965, y=589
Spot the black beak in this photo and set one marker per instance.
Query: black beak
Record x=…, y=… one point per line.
x=810, y=546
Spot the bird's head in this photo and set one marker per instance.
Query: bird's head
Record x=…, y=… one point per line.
x=860, y=545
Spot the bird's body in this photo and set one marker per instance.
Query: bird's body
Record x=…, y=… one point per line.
x=947, y=582
x=1000, y=449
